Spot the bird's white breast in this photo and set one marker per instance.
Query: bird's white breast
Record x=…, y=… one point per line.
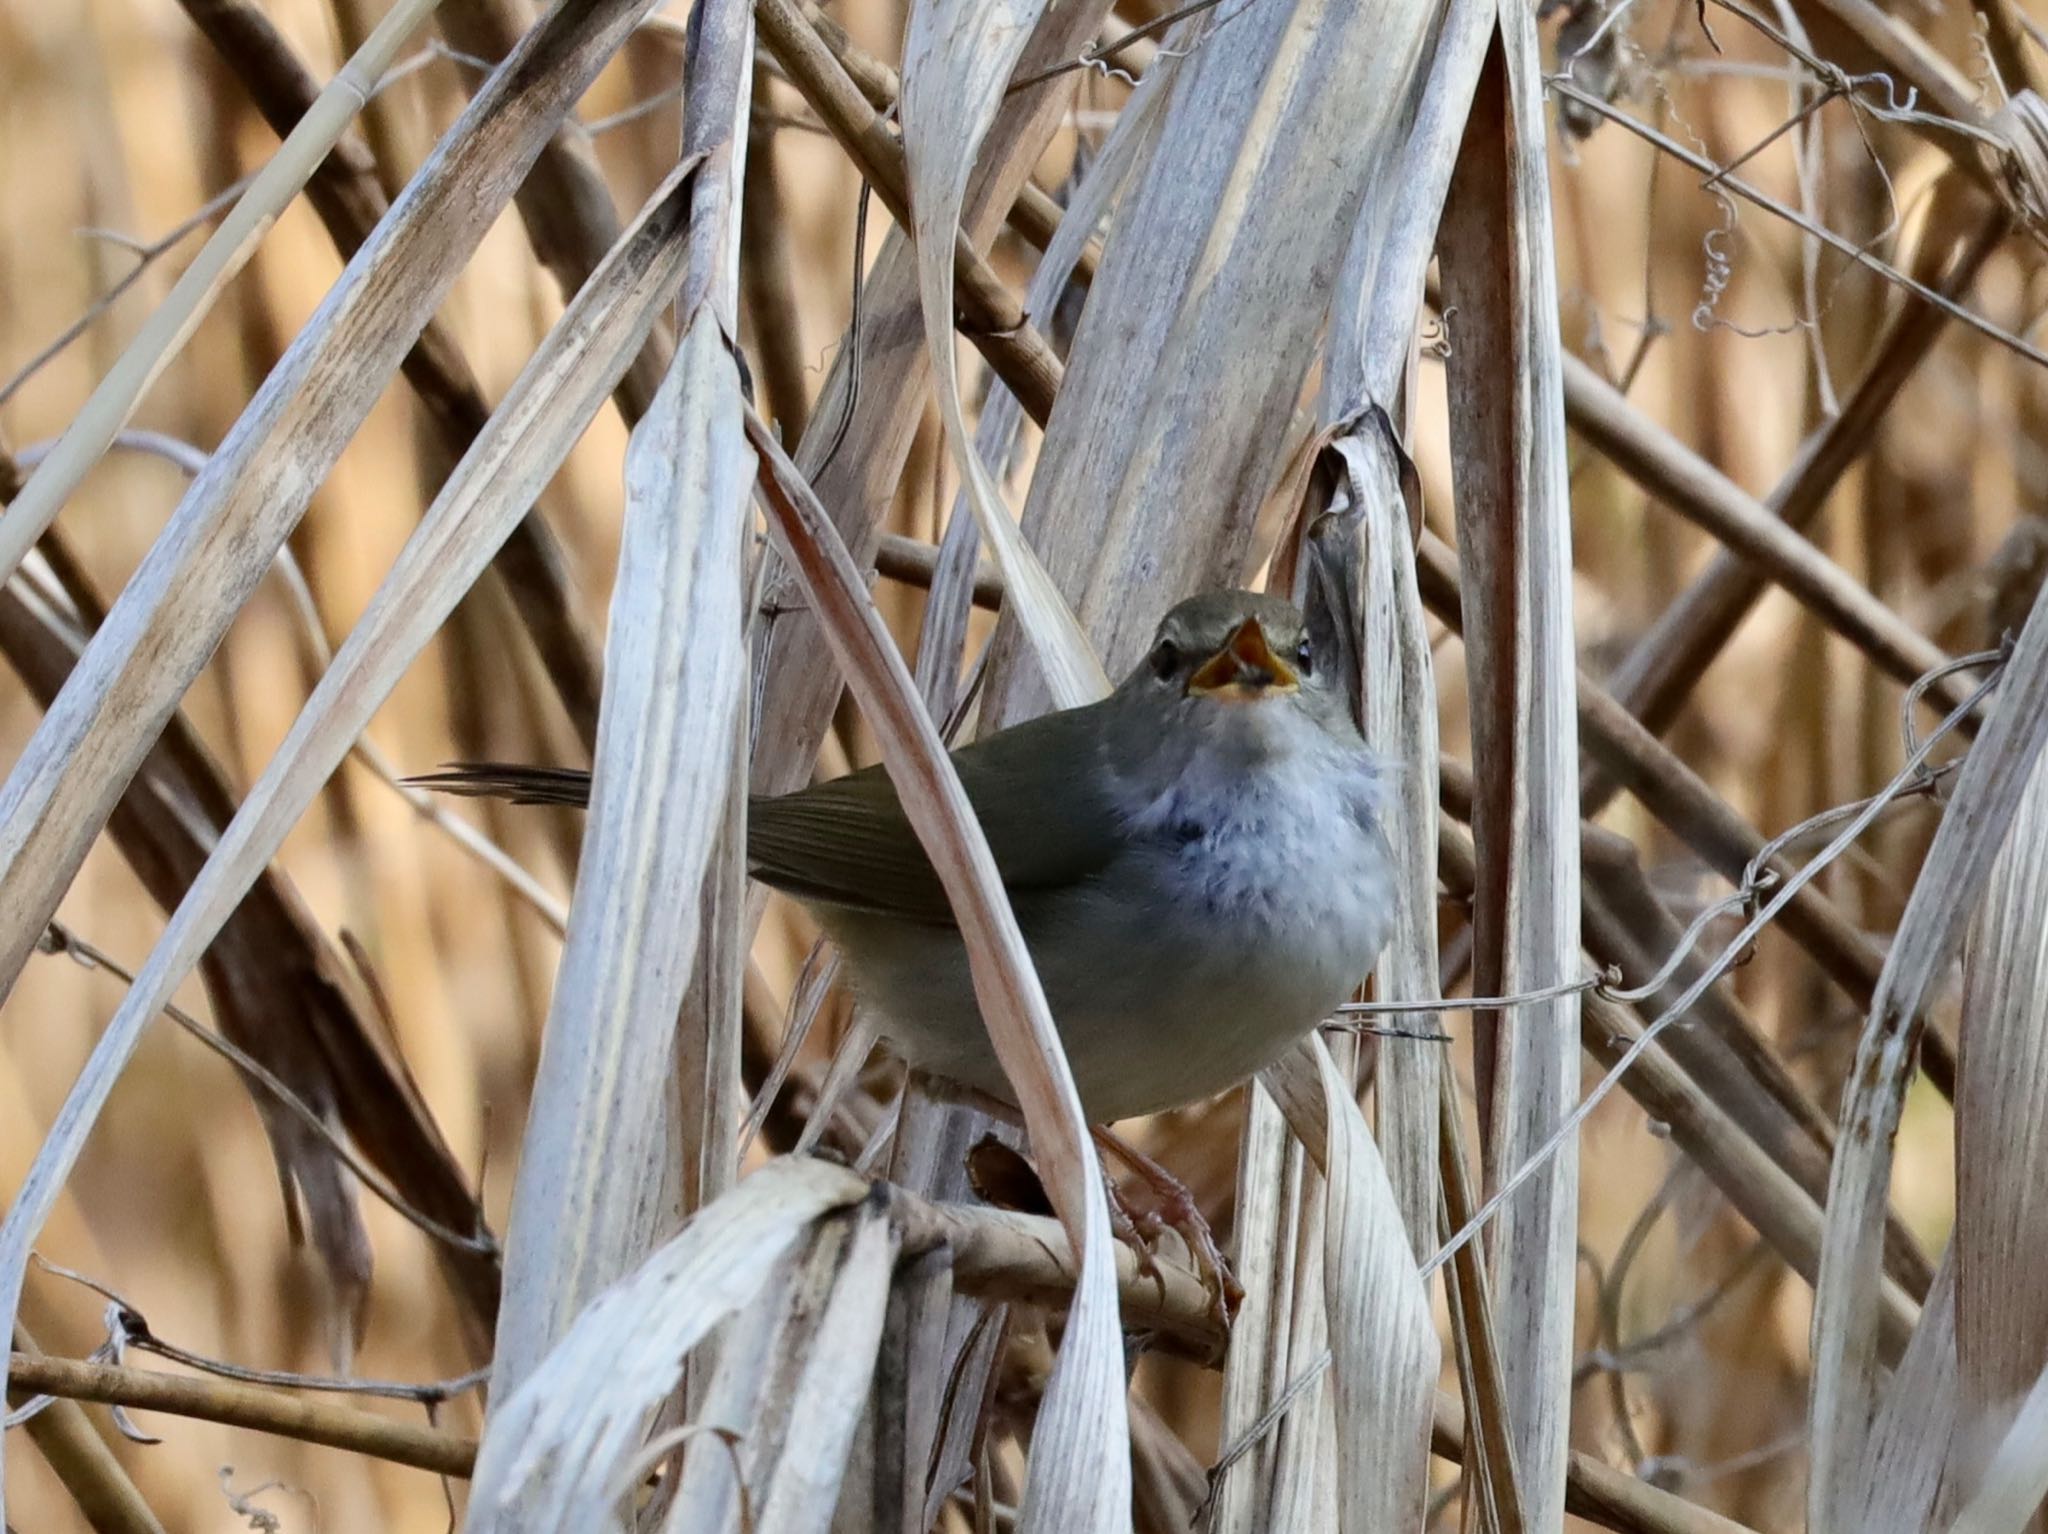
x=1251, y=894
x=1262, y=902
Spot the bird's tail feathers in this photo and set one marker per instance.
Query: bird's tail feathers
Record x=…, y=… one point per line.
x=509, y=780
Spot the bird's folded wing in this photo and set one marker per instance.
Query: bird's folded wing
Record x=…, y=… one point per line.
x=1036, y=790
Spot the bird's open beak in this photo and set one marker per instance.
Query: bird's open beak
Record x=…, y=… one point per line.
x=1244, y=669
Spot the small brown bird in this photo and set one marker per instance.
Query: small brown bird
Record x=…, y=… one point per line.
x=1196, y=863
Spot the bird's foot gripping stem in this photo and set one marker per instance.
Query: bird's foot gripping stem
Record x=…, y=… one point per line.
x=1176, y=1209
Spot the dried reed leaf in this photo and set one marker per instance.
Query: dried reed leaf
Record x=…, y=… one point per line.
x=2009, y=1496
x=1382, y=1335
x=790, y=1391
x=711, y=1486
x=942, y=1349
x=1910, y=1440
x=1958, y=868
x=1366, y=564
x=1372, y=331
x=718, y=80
x=172, y=322
x=957, y=57
x=1365, y=552
x=543, y=414
x=1302, y=1498
x=831, y=1386
x=556, y=1448
x=942, y=637
x=1079, y=1473
x=1255, y=1363
x=2001, y=1229
x=590, y=1194
x=1514, y=529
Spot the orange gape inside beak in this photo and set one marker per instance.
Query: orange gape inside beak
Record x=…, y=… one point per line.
x=1245, y=667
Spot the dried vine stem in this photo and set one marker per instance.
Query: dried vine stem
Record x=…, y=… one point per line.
x=252, y=1406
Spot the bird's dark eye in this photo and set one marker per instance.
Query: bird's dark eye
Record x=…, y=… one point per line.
x=1165, y=659
x=1304, y=658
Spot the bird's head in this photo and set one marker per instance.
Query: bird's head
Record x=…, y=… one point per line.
x=1236, y=669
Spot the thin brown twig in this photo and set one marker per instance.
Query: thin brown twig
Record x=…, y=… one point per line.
x=251, y=1406
x=131, y=1329
x=146, y=254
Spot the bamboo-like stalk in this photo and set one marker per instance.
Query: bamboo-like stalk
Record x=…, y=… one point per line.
x=1515, y=535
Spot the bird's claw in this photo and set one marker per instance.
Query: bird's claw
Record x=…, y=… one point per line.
x=1179, y=1212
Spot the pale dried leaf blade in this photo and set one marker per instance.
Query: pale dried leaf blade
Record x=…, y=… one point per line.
x=1994, y=780
x=1514, y=529
x=1365, y=539
x=1373, y=326
x=2001, y=1310
x=1385, y=1352
x=2012, y=1488
x=1080, y=1476
x=718, y=98
x=556, y=1448
x=943, y=636
x=1909, y=1444
x=957, y=57
x=542, y=416
x=1254, y=1367
x=832, y=1389
x=591, y=1191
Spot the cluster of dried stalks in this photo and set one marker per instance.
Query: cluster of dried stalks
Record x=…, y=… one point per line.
x=1322, y=296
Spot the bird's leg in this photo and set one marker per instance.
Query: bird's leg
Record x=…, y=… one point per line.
x=1005, y=1178
x=1001, y=1176
x=1182, y=1213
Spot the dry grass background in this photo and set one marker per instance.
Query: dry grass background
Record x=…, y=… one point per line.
x=117, y=122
